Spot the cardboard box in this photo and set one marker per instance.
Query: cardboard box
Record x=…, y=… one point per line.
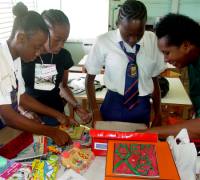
x=166, y=167
x=100, y=139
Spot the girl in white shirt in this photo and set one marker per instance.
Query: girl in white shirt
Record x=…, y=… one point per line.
x=28, y=36
x=109, y=52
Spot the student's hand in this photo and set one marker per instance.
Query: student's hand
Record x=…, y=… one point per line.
x=63, y=119
x=60, y=137
x=73, y=122
x=85, y=116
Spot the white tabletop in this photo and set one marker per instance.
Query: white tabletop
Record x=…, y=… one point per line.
x=177, y=94
x=96, y=171
x=99, y=94
x=76, y=69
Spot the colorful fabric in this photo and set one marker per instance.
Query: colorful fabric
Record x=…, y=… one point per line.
x=131, y=83
x=135, y=160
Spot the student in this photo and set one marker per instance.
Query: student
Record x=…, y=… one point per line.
x=113, y=50
x=28, y=36
x=179, y=40
x=45, y=86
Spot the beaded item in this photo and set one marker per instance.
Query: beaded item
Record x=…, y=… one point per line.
x=76, y=158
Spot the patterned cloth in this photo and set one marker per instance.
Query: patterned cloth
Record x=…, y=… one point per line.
x=135, y=160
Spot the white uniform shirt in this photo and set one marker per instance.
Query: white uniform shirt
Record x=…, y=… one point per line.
x=107, y=52
x=9, y=71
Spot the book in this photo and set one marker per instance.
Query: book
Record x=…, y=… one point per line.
x=135, y=160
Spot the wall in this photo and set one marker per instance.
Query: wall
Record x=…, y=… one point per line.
x=158, y=8
x=76, y=50
x=155, y=8
x=190, y=8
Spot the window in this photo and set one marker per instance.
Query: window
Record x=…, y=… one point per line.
x=88, y=18
x=6, y=19
x=6, y=15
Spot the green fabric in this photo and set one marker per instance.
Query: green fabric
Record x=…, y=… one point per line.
x=194, y=85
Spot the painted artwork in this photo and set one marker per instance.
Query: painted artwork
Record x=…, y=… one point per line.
x=135, y=160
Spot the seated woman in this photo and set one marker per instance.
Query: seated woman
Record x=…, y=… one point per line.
x=47, y=76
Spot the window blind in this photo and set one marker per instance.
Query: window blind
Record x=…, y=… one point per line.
x=6, y=15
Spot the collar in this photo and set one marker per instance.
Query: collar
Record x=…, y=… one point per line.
x=127, y=46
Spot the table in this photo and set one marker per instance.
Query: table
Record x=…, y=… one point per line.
x=95, y=171
x=99, y=94
x=77, y=69
x=176, y=97
x=177, y=94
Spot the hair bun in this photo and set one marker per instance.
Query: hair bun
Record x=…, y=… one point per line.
x=20, y=9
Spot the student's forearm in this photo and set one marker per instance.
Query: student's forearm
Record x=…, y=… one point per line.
x=67, y=94
x=193, y=127
x=17, y=121
x=32, y=104
x=156, y=96
x=90, y=90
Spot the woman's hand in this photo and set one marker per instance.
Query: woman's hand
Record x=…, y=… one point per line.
x=84, y=115
x=73, y=122
x=60, y=137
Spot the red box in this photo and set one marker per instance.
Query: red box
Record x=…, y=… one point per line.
x=13, y=141
x=100, y=139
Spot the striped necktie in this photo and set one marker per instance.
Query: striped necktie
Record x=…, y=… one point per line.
x=131, y=82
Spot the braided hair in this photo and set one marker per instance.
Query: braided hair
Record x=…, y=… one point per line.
x=54, y=17
x=132, y=9
x=27, y=21
x=178, y=28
